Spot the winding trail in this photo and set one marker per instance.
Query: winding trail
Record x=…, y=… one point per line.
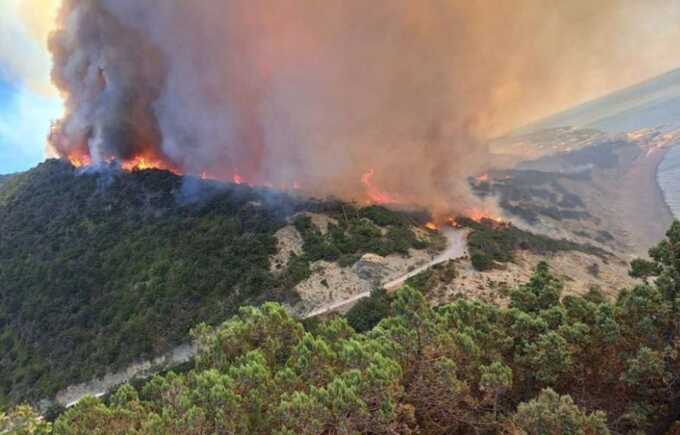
x=456, y=248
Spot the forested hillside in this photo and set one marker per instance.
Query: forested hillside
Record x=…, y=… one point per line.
x=545, y=364
x=100, y=268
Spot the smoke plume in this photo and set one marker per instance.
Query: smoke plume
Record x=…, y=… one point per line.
x=330, y=95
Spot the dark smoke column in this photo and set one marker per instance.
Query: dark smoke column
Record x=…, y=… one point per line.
x=320, y=93
x=111, y=75
x=315, y=94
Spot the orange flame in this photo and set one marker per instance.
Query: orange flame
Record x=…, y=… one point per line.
x=477, y=215
x=375, y=195
x=138, y=163
x=79, y=161
x=482, y=178
x=452, y=222
x=141, y=163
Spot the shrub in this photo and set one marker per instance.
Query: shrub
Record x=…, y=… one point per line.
x=551, y=413
x=368, y=312
x=481, y=261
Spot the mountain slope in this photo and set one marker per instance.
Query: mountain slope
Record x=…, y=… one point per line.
x=100, y=269
x=544, y=363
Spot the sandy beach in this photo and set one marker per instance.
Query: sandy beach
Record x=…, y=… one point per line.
x=646, y=214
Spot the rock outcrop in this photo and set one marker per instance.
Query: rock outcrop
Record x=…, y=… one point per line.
x=373, y=268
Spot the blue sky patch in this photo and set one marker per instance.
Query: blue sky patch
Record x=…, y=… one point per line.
x=24, y=123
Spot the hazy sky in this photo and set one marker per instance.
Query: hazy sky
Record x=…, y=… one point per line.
x=28, y=102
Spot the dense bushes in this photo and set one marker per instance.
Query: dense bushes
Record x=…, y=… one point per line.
x=543, y=365
x=354, y=236
x=100, y=269
x=481, y=261
x=368, y=312
x=442, y=273
x=373, y=229
x=490, y=242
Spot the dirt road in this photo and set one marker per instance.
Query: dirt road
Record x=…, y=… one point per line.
x=456, y=248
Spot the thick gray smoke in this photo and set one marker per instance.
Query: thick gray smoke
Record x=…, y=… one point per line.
x=308, y=92
x=113, y=75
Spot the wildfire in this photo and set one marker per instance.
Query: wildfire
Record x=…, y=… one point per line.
x=452, y=222
x=375, y=195
x=476, y=215
x=79, y=161
x=143, y=163
x=482, y=178
x=139, y=163
x=481, y=216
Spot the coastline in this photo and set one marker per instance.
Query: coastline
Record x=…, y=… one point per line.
x=651, y=214
x=664, y=193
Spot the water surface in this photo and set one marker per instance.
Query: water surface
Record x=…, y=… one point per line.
x=668, y=175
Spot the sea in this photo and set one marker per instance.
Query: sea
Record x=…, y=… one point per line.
x=668, y=175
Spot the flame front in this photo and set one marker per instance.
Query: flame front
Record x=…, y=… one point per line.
x=79, y=160
x=479, y=215
x=475, y=214
x=373, y=192
x=143, y=163
x=138, y=163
